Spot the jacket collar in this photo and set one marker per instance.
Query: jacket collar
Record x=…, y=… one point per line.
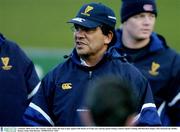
x=76, y=59
x=2, y=39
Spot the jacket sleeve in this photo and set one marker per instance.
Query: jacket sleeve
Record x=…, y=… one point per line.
x=147, y=113
x=30, y=75
x=169, y=110
x=38, y=111
x=32, y=81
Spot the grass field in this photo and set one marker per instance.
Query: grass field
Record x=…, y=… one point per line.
x=42, y=23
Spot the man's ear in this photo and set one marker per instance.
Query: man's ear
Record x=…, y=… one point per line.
x=108, y=37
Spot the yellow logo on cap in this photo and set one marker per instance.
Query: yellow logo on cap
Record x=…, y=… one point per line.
x=87, y=10
x=5, y=61
x=154, y=67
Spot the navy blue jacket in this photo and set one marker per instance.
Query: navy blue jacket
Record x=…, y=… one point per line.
x=61, y=93
x=161, y=66
x=18, y=79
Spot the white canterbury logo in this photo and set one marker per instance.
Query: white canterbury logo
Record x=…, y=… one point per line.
x=78, y=19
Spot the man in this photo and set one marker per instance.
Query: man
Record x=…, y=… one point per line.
x=59, y=100
x=111, y=102
x=18, y=83
x=149, y=52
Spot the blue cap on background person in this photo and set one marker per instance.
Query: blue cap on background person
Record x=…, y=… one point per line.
x=93, y=15
x=133, y=7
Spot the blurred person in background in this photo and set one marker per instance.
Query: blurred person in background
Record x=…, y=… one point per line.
x=149, y=52
x=18, y=83
x=59, y=100
x=111, y=102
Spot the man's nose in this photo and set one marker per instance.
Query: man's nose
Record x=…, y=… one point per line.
x=79, y=33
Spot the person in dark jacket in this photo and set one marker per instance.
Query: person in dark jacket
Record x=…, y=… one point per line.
x=18, y=83
x=149, y=52
x=60, y=99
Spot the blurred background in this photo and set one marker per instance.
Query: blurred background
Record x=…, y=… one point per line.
x=39, y=26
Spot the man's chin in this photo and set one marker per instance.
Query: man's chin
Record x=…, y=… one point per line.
x=146, y=35
x=143, y=37
x=81, y=52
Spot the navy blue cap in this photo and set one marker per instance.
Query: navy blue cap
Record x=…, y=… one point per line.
x=133, y=7
x=94, y=14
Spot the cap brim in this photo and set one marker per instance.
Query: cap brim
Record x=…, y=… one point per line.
x=84, y=22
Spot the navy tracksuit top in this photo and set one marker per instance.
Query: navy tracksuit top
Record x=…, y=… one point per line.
x=61, y=93
x=161, y=66
x=18, y=80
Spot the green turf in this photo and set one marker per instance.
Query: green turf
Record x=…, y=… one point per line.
x=37, y=25
x=42, y=23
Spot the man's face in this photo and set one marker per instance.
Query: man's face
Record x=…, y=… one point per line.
x=140, y=26
x=89, y=42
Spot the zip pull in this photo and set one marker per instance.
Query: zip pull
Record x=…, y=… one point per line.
x=90, y=74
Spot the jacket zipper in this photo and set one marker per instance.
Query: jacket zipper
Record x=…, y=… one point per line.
x=90, y=74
